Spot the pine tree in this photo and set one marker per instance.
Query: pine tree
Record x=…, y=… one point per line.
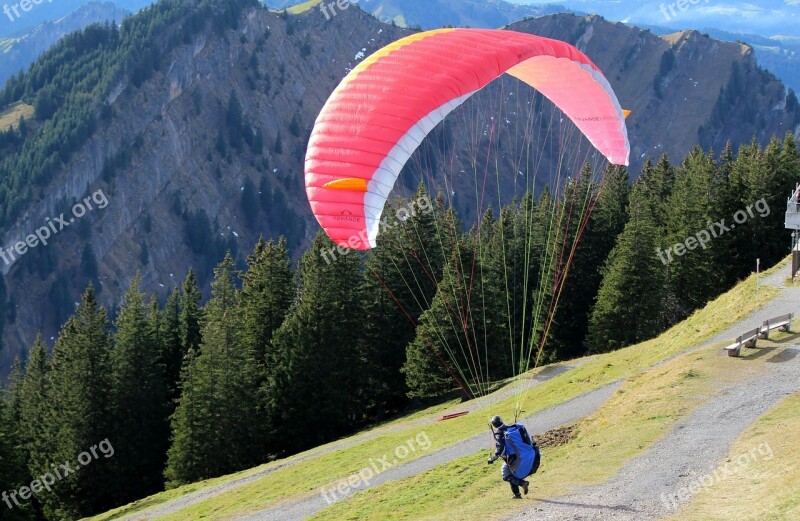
x=728, y=259
x=35, y=410
x=267, y=292
x=538, y=233
x=13, y=455
x=191, y=313
x=294, y=125
x=320, y=367
x=449, y=348
x=139, y=396
x=609, y=214
x=79, y=398
x=632, y=268
x=751, y=175
x=399, y=283
x=504, y=265
x=606, y=206
x=689, y=264
x=428, y=368
x=488, y=303
x=89, y=268
x=257, y=148
x=782, y=163
x=209, y=431
x=172, y=347
x=658, y=181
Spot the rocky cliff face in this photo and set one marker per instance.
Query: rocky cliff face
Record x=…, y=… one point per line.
x=175, y=163
x=683, y=88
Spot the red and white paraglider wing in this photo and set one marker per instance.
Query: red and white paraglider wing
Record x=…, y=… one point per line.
x=380, y=113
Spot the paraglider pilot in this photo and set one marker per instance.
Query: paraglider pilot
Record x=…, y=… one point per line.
x=520, y=454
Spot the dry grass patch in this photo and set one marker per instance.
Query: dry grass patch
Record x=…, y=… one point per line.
x=10, y=116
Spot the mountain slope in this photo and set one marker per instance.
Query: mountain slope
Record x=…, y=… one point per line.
x=683, y=88
x=778, y=54
x=19, y=52
x=12, y=26
x=184, y=185
x=763, y=24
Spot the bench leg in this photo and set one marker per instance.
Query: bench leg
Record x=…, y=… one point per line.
x=734, y=352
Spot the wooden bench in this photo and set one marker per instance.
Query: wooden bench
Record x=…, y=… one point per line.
x=783, y=322
x=748, y=339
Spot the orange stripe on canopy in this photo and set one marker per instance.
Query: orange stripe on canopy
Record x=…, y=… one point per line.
x=348, y=183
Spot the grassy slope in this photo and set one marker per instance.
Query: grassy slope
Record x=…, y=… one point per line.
x=10, y=116
x=293, y=482
x=768, y=485
x=302, y=8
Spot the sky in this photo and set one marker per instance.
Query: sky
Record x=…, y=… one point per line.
x=765, y=17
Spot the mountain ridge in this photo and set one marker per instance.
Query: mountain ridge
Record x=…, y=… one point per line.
x=18, y=53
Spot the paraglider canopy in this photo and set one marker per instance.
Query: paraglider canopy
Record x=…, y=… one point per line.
x=384, y=108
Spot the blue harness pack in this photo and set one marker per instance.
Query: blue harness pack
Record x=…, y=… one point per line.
x=520, y=454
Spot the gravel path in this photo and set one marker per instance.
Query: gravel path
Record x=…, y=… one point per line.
x=193, y=498
x=656, y=484
x=651, y=486
x=787, y=302
x=551, y=418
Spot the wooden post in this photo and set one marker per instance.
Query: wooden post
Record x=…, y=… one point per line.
x=758, y=270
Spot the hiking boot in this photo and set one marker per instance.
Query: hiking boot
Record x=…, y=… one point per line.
x=517, y=496
x=524, y=485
